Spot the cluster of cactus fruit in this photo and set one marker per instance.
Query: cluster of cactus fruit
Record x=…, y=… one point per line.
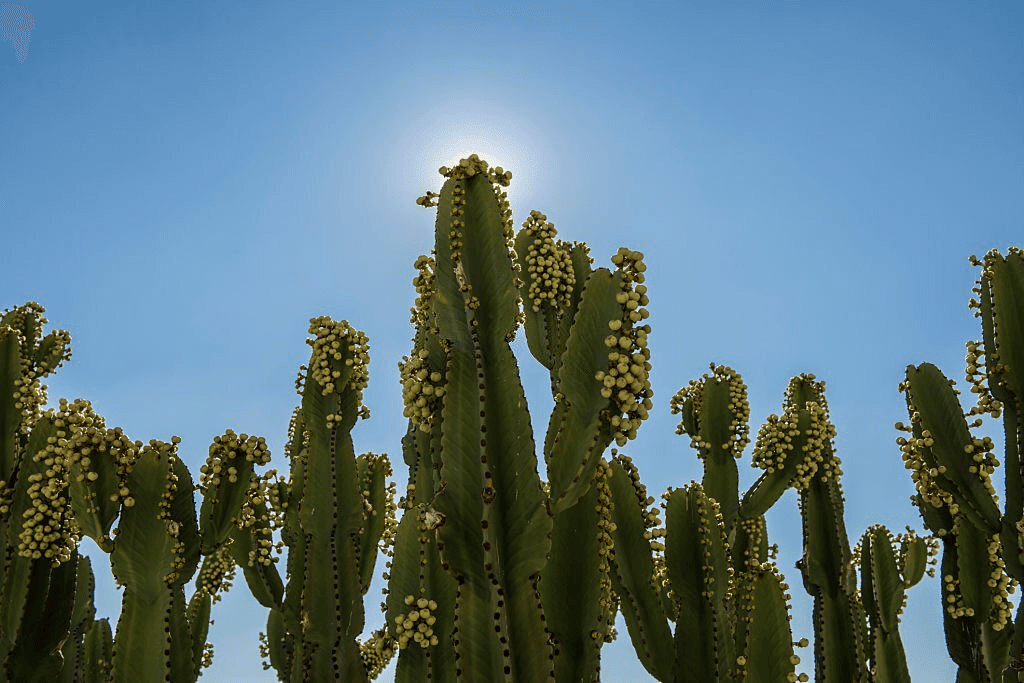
x=494, y=574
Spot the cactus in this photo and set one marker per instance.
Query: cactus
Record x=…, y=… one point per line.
x=493, y=573
x=66, y=475
x=495, y=547
x=332, y=512
x=951, y=468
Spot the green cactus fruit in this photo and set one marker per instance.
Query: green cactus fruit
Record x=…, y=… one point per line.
x=225, y=480
x=98, y=461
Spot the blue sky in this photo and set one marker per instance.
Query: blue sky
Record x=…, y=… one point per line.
x=185, y=184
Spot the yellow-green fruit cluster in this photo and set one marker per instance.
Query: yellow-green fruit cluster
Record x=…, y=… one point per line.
x=605, y=550
x=916, y=456
x=216, y=573
x=627, y=381
x=422, y=389
x=549, y=263
x=337, y=340
x=415, y=626
x=263, y=512
x=376, y=652
x=48, y=528
x=423, y=283
x=226, y=454
x=775, y=440
x=739, y=409
x=978, y=379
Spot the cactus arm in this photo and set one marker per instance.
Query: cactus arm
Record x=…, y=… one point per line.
x=10, y=413
x=574, y=585
x=944, y=442
x=143, y=557
x=330, y=507
x=714, y=412
x=198, y=621
x=51, y=595
x=787, y=447
x=548, y=285
x=496, y=531
x=20, y=569
x=263, y=579
x=962, y=633
x=373, y=471
x=416, y=571
x=633, y=576
x=697, y=565
x=882, y=596
x=1001, y=309
x=81, y=619
x=1004, y=280
x=581, y=435
x=767, y=640
x=225, y=481
x=839, y=647
x=280, y=644
x=182, y=666
x=98, y=653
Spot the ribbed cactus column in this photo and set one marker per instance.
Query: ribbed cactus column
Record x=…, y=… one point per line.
x=708, y=570
x=496, y=526
x=38, y=557
x=332, y=512
x=952, y=471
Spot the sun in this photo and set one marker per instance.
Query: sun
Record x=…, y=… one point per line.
x=514, y=150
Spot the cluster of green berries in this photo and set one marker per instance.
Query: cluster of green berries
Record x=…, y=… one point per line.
x=929, y=476
x=263, y=511
x=549, y=264
x=216, y=573
x=605, y=552
x=340, y=352
x=415, y=626
x=47, y=524
x=376, y=652
x=226, y=457
x=423, y=283
x=422, y=389
x=627, y=379
x=778, y=438
x=689, y=401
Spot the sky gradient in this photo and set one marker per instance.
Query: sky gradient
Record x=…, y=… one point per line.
x=185, y=185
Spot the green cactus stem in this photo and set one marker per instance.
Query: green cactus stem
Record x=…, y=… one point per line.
x=496, y=529
x=332, y=512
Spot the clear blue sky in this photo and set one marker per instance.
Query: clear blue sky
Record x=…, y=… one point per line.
x=185, y=184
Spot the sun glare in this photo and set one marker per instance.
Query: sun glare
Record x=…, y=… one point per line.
x=509, y=149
